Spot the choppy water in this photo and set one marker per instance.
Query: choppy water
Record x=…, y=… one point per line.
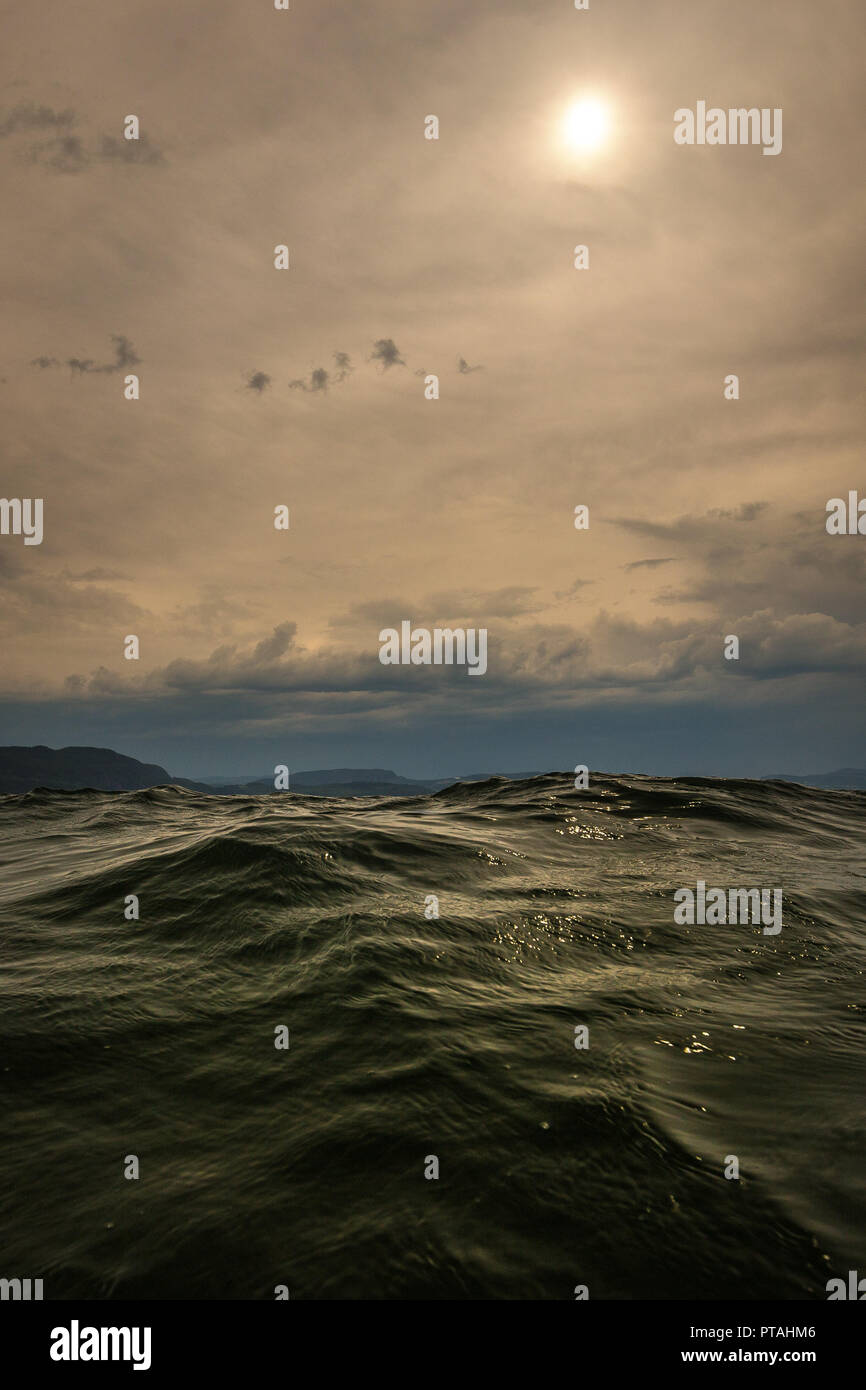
x=452, y=1037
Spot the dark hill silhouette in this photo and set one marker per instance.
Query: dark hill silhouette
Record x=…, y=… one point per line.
x=68, y=769
x=23, y=769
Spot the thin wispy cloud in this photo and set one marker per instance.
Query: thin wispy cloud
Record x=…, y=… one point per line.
x=27, y=117
x=66, y=150
x=649, y=564
x=124, y=356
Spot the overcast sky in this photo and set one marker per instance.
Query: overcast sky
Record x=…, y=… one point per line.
x=558, y=387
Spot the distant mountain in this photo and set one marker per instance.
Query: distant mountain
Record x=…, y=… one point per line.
x=345, y=781
x=336, y=781
x=69, y=769
x=319, y=777
x=852, y=779
x=323, y=777
x=509, y=776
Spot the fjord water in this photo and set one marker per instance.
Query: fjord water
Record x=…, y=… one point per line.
x=412, y=1037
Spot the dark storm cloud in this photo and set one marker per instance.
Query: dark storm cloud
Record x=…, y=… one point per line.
x=669, y=660
x=44, y=362
x=258, y=381
x=269, y=669
x=385, y=350
x=279, y=642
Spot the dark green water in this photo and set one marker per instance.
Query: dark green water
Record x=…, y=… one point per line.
x=412, y=1037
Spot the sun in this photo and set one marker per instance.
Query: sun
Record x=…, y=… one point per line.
x=586, y=125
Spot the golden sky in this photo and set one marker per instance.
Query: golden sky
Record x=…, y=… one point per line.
x=602, y=387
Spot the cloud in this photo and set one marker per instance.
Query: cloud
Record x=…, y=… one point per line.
x=649, y=564
x=273, y=666
x=385, y=350
x=123, y=151
x=481, y=604
x=81, y=601
x=573, y=588
x=95, y=576
x=344, y=366
x=532, y=665
x=28, y=117
x=747, y=511
x=258, y=381
x=66, y=152
x=212, y=616
x=690, y=527
x=476, y=606
x=124, y=356
x=320, y=379
x=279, y=642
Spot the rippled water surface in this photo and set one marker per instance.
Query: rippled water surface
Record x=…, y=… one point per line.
x=412, y=1037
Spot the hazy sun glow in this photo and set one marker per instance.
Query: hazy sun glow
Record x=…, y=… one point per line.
x=586, y=125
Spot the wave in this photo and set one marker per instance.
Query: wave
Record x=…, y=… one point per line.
x=414, y=1034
